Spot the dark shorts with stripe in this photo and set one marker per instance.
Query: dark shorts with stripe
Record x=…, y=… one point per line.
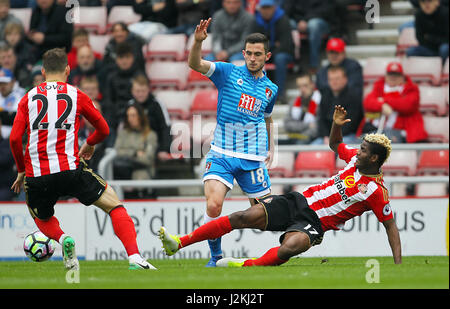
x=43, y=192
x=290, y=212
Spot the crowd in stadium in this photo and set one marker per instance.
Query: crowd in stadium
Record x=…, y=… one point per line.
x=118, y=83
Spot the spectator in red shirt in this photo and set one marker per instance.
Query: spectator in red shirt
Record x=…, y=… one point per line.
x=397, y=98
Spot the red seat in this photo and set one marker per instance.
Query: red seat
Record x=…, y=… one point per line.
x=167, y=47
x=437, y=128
x=423, y=69
x=282, y=164
x=433, y=162
x=167, y=74
x=401, y=163
x=93, y=18
x=123, y=13
x=315, y=164
x=375, y=67
x=433, y=100
x=205, y=102
x=178, y=103
x=206, y=46
x=198, y=80
x=444, y=77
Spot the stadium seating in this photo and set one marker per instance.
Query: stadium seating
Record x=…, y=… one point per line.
x=198, y=80
x=444, y=77
x=98, y=42
x=422, y=70
x=431, y=189
x=433, y=162
x=315, y=164
x=167, y=74
x=205, y=102
x=24, y=15
x=406, y=39
x=283, y=164
x=122, y=13
x=375, y=68
x=178, y=103
x=437, y=128
x=93, y=18
x=166, y=47
x=433, y=100
x=206, y=45
x=401, y=163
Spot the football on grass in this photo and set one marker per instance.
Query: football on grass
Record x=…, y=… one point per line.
x=38, y=247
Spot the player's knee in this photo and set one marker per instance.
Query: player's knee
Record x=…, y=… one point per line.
x=213, y=208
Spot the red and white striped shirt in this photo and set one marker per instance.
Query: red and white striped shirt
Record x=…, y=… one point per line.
x=348, y=194
x=50, y=114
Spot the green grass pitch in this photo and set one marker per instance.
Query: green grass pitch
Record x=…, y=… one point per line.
x=299, y=273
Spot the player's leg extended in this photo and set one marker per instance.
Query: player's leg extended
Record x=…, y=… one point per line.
x=254, y=217
x=123, y=227
x=215, y=192
x=294, y=243
x=41, y=209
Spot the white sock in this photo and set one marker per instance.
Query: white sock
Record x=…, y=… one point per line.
x=135, y=258
x=207, y=218
x=60, y=240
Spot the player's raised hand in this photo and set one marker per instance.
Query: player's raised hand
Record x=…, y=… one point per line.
x=339, y=116
x=201, y=30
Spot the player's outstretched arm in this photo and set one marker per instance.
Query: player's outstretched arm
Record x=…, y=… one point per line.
x=394, y=240
x=195, y=55
x=339, y=120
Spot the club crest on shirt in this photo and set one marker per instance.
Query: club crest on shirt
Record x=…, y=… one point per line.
x=208, y=166
x=362, y=187
x=268, y=93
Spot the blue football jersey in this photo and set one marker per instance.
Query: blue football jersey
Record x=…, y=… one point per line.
x=243, y=103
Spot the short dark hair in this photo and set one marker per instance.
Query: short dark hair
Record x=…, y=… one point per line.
x=124, y=49
x=338, y=68
x=257, y=38
x=54, y=60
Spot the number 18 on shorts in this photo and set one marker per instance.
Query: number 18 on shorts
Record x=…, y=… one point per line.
x=251, y=176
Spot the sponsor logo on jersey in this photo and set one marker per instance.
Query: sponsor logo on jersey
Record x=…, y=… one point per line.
x=349, y=181
x=341, y=189
x=249, y=105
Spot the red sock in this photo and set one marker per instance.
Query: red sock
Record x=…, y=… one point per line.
x=50, y=227
x=210, y=230
x=124, y=229
x=270, y=258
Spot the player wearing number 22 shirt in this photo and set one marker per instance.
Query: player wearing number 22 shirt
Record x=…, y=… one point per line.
x=54, y=148
x=53, y=166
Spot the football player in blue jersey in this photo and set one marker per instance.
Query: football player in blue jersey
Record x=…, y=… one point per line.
x=243, y=144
